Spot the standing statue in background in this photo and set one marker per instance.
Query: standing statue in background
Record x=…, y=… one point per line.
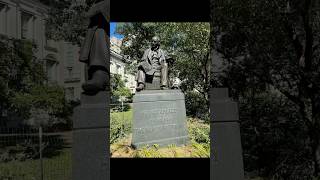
x=94, y=51
x=154, y=67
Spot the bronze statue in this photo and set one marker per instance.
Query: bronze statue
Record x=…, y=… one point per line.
x=94, y=51
x=153, y=69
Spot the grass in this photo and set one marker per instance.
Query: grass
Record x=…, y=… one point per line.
x=57, y=167
x=123, y=149
x=120, y=125
x=120, y=139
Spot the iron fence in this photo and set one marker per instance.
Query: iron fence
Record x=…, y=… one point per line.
x=35, y=154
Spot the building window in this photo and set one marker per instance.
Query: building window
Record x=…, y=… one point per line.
x=27, y=24
x=118, y=71
x=69, y=72
x=51, y=71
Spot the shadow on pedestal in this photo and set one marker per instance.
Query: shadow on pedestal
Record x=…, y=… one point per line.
x=90, y=150
x=226, y=161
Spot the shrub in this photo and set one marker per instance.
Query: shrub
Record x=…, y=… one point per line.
x=119, y=127
x=199, y=131
x=200, y=149
x=20, y=152
x=149, y=152
x=196, y=105
x=274, y=138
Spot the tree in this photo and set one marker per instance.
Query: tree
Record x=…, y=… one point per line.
x=22, y=84
x=273, y=46
x=66, y=20
x=118, y=87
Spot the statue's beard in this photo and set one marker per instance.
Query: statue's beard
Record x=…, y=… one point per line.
x=155, y=47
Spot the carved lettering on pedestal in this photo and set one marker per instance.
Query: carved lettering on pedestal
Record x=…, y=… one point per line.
x=159, y=115
x=143, y=132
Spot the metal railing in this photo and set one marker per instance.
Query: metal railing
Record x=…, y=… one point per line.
x=35, y=154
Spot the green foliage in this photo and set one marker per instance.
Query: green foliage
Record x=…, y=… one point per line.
x=200, y=150
x=194, y=150
x=120, y=125
x=19, y=67
x=118, y=87
x=196, y=105
x=21, y=152
x=58, y=167
x=199, y=133
x=122, y=91
x=66, y=20
x=41, y=96
x=199, y=130
x=274, y=137
x=269, y=52
x=118, y=108
x=41, y=100
x=22, y=87
x=149, y=152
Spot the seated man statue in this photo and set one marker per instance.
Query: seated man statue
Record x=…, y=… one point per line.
x=153, y=70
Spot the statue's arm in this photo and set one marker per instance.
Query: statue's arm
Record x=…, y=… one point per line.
x=165, y=57
x=145, y=55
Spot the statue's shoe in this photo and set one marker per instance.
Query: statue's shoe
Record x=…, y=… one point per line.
x=97, y=83
x=164, y=88
x=91, y=88
x=140, y=87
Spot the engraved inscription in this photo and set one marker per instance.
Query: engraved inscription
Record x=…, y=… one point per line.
x=144, y=132
x=158, y=122
x=159, y=115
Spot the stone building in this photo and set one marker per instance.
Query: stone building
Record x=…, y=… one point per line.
x=26, y=19
x=117, y=64
x=23, y=19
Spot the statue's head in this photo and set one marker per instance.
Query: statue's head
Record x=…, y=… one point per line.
x=155, y=43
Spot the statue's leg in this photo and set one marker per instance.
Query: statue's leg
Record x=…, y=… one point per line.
x=141, y=79
x=164, y=75
x=99, y=49
x=98, y=74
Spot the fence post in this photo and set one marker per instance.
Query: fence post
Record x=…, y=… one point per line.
x=40, y=150
x=122, y=110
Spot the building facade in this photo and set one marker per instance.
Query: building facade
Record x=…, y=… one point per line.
x=118, y=66
x=21, y=19
x=26, y=19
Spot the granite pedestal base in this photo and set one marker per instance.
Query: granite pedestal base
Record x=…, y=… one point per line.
x=226, y=153
x=90, y=153
x=159, y=117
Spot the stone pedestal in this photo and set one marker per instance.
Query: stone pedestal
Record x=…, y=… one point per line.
x=226, y=152
x=159, y=117
x=90, y=150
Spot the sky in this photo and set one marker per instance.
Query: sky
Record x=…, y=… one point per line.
x=113, y=29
